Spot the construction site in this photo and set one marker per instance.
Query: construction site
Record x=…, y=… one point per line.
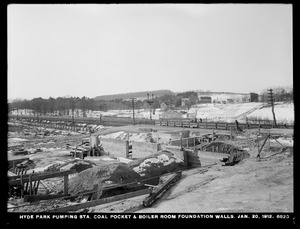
x=55, y=167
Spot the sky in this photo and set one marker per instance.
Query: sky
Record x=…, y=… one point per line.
x=89, y=50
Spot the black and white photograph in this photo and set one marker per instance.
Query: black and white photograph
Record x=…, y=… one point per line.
x=150, y=111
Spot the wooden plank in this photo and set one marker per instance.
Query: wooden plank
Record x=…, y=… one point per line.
x=66, y=184
x=35, y=198
x=22, y=186
x=101, y=201
x=30, y=184
x=156, y=192
x=42, y=176
x=95, y=195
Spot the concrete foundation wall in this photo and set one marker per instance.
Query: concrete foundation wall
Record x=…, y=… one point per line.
x=189, y=157
x=115, y=147
x=186, y=142
x=144, y=149
x=196, y=159
x=178, y=153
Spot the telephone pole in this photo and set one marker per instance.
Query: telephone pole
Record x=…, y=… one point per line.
x=150, y=102
x=133, y=104
x=271, y=101
x=72, y=103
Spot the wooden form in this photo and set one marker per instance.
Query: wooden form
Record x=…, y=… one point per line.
x=160, y=189
x=12, y=162
x=35, y=198
x=268, y=137
x=192, y=142
x=93, y=203
x=32, y=181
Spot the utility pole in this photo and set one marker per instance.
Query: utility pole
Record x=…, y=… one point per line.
x=72, y=103
x=150, y=102
x=133, y=104
x=100, y=113
x=271, y=101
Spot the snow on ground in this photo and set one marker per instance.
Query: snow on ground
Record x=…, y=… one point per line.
x=135, y=137
x=223, y=112
x=284, y=113
x=214, y=112
x=14, y=140
x=284, y=142
x=138, y=113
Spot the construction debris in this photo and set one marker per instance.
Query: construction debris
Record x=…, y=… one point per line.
x=159, y=190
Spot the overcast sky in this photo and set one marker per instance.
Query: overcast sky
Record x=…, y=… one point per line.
x=90, y=50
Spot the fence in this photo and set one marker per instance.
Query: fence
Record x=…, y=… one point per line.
x=119, y=121
x=220, y=125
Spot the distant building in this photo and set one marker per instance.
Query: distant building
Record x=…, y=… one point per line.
x=253, y=97
x=166, y=105
x=205, y=99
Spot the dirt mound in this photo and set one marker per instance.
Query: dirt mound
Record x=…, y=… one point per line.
x=78, y=165
x=104, y=174
x=236, y=157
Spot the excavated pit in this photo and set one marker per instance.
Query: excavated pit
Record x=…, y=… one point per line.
x=236, y=154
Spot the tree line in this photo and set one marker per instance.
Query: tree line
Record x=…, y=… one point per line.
x=280, y=94
x=63, y=105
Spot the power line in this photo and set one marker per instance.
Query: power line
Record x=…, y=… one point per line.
x=271, y=102
x=133, y=101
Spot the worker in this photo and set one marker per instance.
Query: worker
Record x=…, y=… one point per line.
x=236, y=125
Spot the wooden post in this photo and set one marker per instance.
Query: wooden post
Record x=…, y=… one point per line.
x=37, y=187
x=187, y=143
x=30, y=184
x=230, y=133
x=22, y=187
x=181, y=142
x=95, y=195
x=33, y=187
x=127, y=149
x=257, y=143
x=26, y=187
x=269, y=140
x=66, y=184
x=14, y=166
